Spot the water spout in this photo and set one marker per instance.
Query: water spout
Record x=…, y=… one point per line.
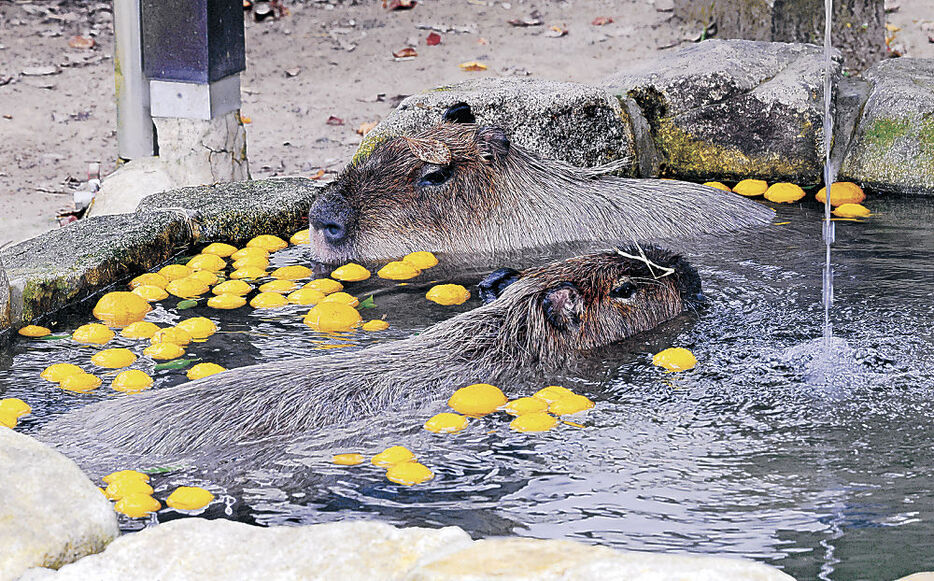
x=829, y=176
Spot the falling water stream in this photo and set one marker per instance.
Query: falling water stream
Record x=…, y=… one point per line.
x=829, y=176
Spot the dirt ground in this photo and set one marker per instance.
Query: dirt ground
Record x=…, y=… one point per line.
x=320, y=61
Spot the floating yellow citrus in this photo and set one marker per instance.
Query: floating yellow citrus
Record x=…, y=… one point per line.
x=294, y=272
x=150, y=292
x=851, y=211
x=448, y=294
x=842, y=193
x=122, y=474
x=349, y=459
x=137, y=505
x=219, y=249
x=719, y=186
x=123, y=487
x=131, y=381
x=252, y=262
x=277, y=286
x=34, y=331
x=525, y=405
x=203, y=370
x=205, y=276
x=226, y=301
x=571, y=404
x=15, y=408
x=332, y=317
x=301, y=237
x=306, y=296
x=751, y=188
x=446, y=423
x=250, y=251
x=409, y=473
x=267, y=242
x=8, y=420
x=199, y=328
x=210, y=262
x=675, y=359
x=113, y=358
x=784, y=193
x=350, y=272
x=93, y=333
x=341, y=297
x=249, y=272
x=421, y=260
x=59, y=371
x=375, y=325
x=325, y=285
x=268, y=301
x=164, y=351
x=533, y=422
x=187, y=288
x=553, y=393
x=80, y=382
x=175, y=335
x=393, y=455
x=150, y=279
x=189, y=498
x=398, y=270
x=232, y=287
x=477, y=400
x=121, y=308
x=139, y=330
x=174, y=272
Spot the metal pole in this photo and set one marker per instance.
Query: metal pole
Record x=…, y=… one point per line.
x=134, y=123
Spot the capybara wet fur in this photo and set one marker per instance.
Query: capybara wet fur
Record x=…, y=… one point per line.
x=543, y=320
x=461, y=188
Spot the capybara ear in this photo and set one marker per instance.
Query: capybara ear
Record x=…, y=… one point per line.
x=493, y=143
x=562, y=306
x=459, y=113
x=493, y=285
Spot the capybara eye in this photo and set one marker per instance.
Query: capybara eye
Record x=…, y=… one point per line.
x=436, y=176
x=623, y=291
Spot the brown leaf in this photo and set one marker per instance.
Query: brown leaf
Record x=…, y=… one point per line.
x=399, y=4
x=556, y=32
x=367, y=127
x=317, y=175
x=81, y=42
x=332, y=120
x=405, y=53
x=434, y=39
x=429, y=150
x=533, y=19
x=245, y=120
x=602, y=20
x=472, y=66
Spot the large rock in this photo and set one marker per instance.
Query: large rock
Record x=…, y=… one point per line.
x=125, y=188
x=582, y=125
x=195, y=549
x=4, y=299
x=733, y=109
x=50, y=513
x=893, y=146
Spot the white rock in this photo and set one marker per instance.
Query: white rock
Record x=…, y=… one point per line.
x=50, y=513
x=124, y=189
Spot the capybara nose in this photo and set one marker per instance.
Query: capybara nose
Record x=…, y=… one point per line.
x=332, y=217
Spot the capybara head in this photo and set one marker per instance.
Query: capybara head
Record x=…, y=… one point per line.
x=422, y=192
x=592, y=300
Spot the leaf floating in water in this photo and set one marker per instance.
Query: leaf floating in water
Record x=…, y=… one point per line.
x=160, y=470
x=177, y=364
x=52, y=337
x=186, y=304
x=368, y=303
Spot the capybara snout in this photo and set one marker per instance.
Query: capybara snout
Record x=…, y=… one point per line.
x=332, y=221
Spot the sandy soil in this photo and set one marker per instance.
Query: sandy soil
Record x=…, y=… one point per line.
x=320, y=61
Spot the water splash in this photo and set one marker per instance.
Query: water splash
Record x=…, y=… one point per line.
x=829, y=175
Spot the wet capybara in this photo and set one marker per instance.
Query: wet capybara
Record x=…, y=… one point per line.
x=544, y=319
x=460, y=188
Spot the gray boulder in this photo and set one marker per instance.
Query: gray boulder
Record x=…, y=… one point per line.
x=50, y=513
x=733, y=109
x=893, y=146
x=582, y=125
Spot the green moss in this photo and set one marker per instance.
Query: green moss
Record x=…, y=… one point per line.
x=366, y=147
x=926, y=134
x=884, y=132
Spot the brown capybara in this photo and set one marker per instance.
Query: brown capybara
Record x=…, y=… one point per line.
x=542, y=320
x=459, y=188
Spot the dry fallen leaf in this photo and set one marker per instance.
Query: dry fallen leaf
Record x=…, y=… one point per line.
x=483, y=41
x=433, y=39
x=472, y=66
x=399, y=4
x=533, y=19
x=602, y=20
x=293, y=72
x=317, y=175
x=332, y=120
x=366, y=127
x=245, y=120
x=556, y=32
x=405, y=53
x=81, y=42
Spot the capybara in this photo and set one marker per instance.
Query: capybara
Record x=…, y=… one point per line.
x=542, y=320
x=460, y=188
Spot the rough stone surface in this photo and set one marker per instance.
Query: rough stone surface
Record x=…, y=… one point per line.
x=64, y=266
x=893, y=145
x=195, y=549
x=50, y=513
x=4, y=299
x=123, y=190
x=733, y=109
x=582, y=125
x=858, y=25
x=235, y=212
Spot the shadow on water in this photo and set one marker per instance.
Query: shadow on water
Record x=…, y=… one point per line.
x=758, y=452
